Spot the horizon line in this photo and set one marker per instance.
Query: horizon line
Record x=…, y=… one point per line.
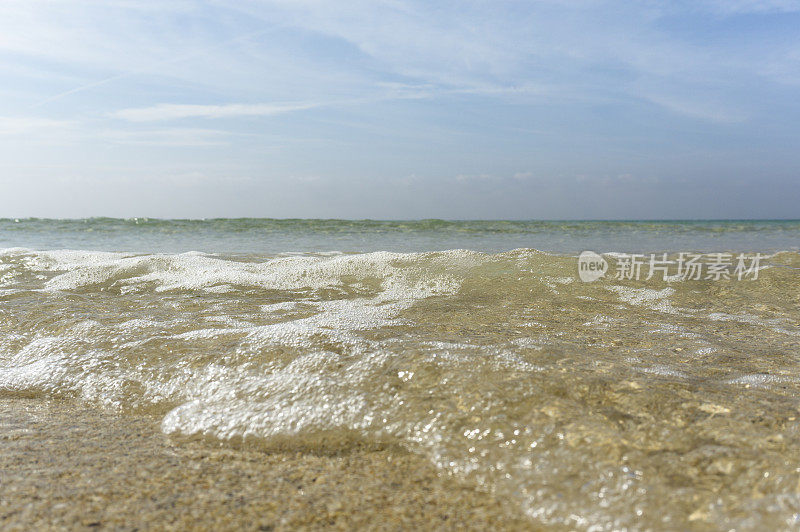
x=18, y=219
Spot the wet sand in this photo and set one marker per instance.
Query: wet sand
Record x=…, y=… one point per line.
x=66, y=466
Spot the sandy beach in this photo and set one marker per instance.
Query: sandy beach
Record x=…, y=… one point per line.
x=66, y=466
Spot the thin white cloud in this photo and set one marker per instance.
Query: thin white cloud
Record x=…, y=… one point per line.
x=706, y=111
x=177, y=111
x=171, y=137
x=10, y=125
x=542, y=52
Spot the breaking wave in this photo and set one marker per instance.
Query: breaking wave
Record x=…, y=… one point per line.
x=607, y=405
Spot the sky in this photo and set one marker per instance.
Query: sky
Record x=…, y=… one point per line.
x=395, y=109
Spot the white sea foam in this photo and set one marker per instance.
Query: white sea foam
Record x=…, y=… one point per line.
x=466, y=358
x=646, y=297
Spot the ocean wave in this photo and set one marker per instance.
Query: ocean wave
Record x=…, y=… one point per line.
x=281, y=225
x=505, y=370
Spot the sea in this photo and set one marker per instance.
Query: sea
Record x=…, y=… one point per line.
x=660, y=392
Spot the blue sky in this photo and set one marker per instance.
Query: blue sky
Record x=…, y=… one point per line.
x=400, y=109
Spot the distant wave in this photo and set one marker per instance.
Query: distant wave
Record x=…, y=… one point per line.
x=436, y=225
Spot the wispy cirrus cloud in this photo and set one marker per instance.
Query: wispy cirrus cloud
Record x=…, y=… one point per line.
x=168, y=111
x=505, y=51
x=708, y=111
x=36, y=130
x=169, y=137
x=686, y=89
x=13, y=125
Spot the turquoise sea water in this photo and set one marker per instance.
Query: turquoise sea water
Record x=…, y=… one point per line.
x=264, y=235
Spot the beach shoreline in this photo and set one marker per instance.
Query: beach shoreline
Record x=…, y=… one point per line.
x=64, y=465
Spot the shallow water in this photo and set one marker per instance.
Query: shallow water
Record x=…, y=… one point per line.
x=637, y=404
x=271, y=236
